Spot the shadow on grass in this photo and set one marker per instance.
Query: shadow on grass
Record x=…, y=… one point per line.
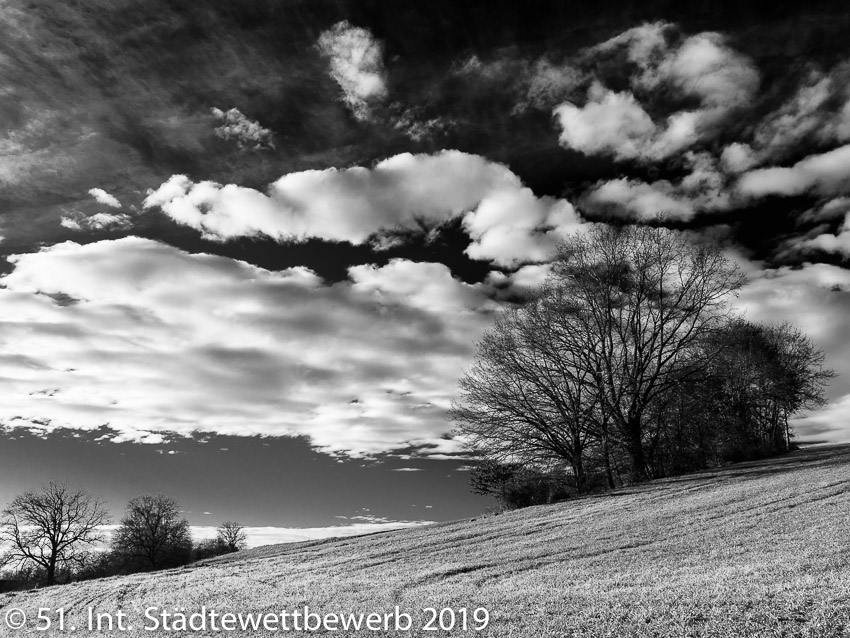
x=820, y=455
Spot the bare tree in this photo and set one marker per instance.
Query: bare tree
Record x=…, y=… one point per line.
x=801, y=378
x=528, y=399
x=641, y=299
x=232, y=536
x=152, y=534
x=55, y=527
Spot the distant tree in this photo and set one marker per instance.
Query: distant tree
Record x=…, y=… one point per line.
x=53, y=528
x=208, y=548
x=232, y=536
x=515, y=485
x=802, y=379
x=152, y=534
x=766, y=374
x=738, y=407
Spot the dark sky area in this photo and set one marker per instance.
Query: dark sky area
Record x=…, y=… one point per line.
x=279, y=227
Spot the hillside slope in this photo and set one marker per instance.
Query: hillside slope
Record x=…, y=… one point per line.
x=754, y=550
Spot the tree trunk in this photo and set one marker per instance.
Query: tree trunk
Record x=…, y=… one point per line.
x=634, y=446
x=606, y=456
x=578, y=473
x=787, y=434
x=51, y=571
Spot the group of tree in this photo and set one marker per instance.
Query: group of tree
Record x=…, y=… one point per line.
x=630, y=363
x=58, y=533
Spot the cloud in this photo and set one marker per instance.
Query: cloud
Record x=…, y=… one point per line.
x=639, y=199
x=645, y=47
x=838, y=243
x=521, y=282
x=797, y=119
x=418, y=128
x=622, y=124
x=737, y=158
x=609, y=122
x=824, y=174
x=102, y=197
x=356, y=63
x=828, y=423
x=157, y=342
x=98, y=221
x=245, y=132
x=828, y=210
x=703, y=189
x=549, y=84
x=407, y=469
x=427, y=286
x=704, y=66
x=512, y=226
x=538, y=84
x=818, y=111
x=816, y=298
x=505, y=220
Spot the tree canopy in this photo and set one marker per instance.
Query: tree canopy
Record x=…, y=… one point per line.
x=153, y=534
x=629, y=352
x=52, y=528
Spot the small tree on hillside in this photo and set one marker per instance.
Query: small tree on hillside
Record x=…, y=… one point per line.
x=52, y=528
x=152, y=534
x=232, y=536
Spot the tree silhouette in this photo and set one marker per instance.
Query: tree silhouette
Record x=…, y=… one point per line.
x=152, y=534
x=232, y=536
x=52, y=528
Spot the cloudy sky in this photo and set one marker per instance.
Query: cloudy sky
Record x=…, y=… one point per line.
x=248, y=247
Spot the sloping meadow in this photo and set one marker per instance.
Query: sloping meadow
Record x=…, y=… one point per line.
x=754, y=550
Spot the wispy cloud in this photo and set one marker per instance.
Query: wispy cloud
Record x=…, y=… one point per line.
x=825, y=173
x=102, y=197
x=98, y=221
x=246, y=132
x=356, y=63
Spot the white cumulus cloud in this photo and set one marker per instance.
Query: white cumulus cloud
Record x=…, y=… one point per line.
x=154, y=341
x=102, y=197
x=507, y=223
x=620, y=123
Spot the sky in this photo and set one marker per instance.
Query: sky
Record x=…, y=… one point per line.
x=248, y=247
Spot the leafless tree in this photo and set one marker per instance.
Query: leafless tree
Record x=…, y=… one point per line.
x=643, y=299
x=528, y=398
x=232, y=536
x=801, y=377
x=621, y=323
x=55, y=527
x=152, y=533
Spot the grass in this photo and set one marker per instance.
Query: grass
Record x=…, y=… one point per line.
x=758, y=549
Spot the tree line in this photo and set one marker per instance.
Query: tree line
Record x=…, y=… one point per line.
x=630, y=363
x=57, y=534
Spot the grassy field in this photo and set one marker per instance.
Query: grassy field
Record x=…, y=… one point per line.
x=760, y=549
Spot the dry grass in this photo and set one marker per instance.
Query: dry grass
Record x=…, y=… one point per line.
x=755, y=550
